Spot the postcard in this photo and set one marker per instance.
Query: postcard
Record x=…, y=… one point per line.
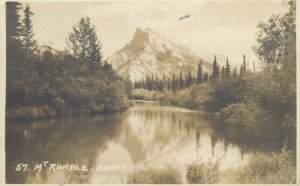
x=150, y=92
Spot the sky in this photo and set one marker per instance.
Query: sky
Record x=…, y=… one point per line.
x=224, y=27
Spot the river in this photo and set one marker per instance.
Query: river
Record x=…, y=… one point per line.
x=110, y=146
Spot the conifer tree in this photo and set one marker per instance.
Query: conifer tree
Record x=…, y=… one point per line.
x=13, y=19
x=199, y=73
x=189, y=79
x=223, y=73
x=174, y=84
x=215, y=72
x=243, y=68
x=84, y=43
x=181, y=83
x=234, y=72
x=227, y=69
x=26, y=36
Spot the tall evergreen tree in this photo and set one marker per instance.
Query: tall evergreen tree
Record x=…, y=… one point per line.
x=223, y=73
x=199, y=73
x=169, y=84
x=189, y=79
x=174, y=84
x=13, y=19
x=243, y=69
x=151, y=82
x=84, y=43
x=181, y=83
x=227, y=69
x=244, y=63
x=234, y=72
x=26, y=36
x=218, y=71
x=215, y=73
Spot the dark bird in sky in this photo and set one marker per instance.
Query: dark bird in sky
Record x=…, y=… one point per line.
x=183, y=17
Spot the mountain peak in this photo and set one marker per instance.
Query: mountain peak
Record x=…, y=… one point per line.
x=140, y=36
x=149, y=52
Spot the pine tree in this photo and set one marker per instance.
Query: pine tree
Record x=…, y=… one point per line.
x=199, y=73
x=14, y=49
x=218, y=72
x=26, y=36
x=215, y=73
x=151, y=82
x=215, y=66
x=84, y=43
x=174, y=84
x=189, y=79
x=227, y=69
x=244, y=64
x=243, y=69
x=13, y=19
x=169, y=84
x=223, y=73
x=181, y=83
x=234, y=72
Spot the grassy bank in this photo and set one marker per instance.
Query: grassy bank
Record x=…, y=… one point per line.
x=262, y=168
x=274, y=168
x=167, y=175
x=203, y=173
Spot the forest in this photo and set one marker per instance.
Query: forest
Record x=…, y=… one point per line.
x=45, y=82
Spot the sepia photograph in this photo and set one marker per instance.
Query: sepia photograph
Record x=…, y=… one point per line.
x=150, y=92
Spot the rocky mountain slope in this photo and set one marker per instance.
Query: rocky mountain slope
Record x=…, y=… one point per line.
x=149, y=53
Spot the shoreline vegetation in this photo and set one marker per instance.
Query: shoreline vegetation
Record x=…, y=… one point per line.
x=43, y=82
x=262, y=168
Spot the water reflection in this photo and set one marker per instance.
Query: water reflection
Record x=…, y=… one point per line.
x=146, y=135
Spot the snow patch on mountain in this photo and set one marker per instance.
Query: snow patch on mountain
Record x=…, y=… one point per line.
x=150, y=53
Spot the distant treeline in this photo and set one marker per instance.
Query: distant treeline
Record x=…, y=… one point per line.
x=44, y=82
x=187, y=80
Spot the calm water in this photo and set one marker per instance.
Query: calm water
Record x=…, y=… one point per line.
x=146, y=135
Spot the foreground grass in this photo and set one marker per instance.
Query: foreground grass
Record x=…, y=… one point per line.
x=262, y=168
x=203, y=173
x=275, y=168
x=155, y=176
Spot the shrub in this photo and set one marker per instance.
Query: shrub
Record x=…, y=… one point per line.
x=274, y=168
x=203, y=173
x=32, y=112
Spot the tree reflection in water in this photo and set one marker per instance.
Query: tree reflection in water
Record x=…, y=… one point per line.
x=147, y=135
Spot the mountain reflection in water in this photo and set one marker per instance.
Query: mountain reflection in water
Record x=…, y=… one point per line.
x=146, y=135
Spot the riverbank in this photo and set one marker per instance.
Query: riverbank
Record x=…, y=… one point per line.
x=196, y=97
x=262, y=168
x=45, y=112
